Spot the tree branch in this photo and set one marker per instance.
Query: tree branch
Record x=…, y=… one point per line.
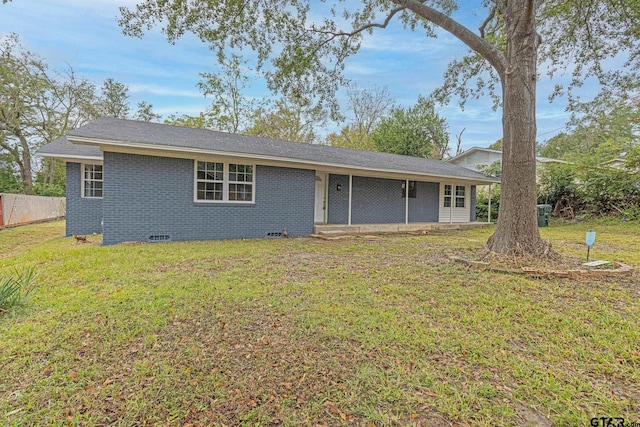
x=479, y=45
x=492, y=14
x=369, y=26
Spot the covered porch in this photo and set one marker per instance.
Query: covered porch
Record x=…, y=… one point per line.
x=386, y=202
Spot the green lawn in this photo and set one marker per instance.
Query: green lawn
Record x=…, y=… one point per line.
x=358, y=331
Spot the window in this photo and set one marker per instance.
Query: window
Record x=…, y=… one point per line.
x=412, y=189
x=224, y=182
x=240, y=183
x=92, y=181
x=460, y=196
x=210, y=180
x=447, y=196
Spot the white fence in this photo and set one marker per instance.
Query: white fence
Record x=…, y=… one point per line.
x=22, y=209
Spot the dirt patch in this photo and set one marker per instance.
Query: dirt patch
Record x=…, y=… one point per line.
x=531, y=417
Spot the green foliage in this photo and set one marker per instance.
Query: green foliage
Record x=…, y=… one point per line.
x=632, y=160
x=292, y=119
x=589, y=187
x=204, y=120
x=51, y=178
x=352, y=137
x=230, y=111
x=51, y=190
x=415, y=131
x=556, y=181
x=605, y=127
x=15, y=288
x=39, y=105
x=8, y=180
x=496, y=145
x=367, y=107
x=114, y=100
x=482, y=203
x=145, y=112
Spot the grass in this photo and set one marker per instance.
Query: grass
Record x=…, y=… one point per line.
x=15, y=288
x=291, y=332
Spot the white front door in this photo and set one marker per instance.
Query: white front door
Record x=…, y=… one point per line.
x=320, y=204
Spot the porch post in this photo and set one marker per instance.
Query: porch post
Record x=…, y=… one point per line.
x=489, y=206
x=453, y=199
x=406, y=201
x=350, y=196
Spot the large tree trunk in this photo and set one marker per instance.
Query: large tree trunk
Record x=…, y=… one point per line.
x=517, y=228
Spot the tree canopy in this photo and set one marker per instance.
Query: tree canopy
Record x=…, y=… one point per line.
x=415, y=131
x=366, y=108
x=38, y=105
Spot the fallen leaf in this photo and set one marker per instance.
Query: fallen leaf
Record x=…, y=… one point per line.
x=334, y=409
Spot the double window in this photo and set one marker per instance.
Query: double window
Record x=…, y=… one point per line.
x=92, y=181
x=224, y=182
x=459, y=196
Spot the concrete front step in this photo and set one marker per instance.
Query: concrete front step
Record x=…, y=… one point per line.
x=340, y=229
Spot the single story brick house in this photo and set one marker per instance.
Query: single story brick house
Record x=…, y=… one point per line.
x=139, y=181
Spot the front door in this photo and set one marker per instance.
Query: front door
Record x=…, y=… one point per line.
x=321, y=202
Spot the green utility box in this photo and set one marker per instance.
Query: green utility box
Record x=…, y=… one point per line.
x=544, y=212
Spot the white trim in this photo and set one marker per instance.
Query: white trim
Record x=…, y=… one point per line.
x=326, y=198
x=452, y=214
x=225, y=183
x=406, y=201
x=82, y=180
x=72, y=158
x=307, y=163
x=350, y=196
x=451, y=204
x=463, y=197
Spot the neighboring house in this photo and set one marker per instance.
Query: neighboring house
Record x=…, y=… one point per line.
x=478, y=159
x=138, y=181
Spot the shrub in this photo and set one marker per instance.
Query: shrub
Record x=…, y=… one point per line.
x=14, y=288
x=482, y=203
x=587, y=186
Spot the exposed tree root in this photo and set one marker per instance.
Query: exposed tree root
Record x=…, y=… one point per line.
x=543, y=254
x=538, y=249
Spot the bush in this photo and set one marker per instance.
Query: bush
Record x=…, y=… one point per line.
x=482, y=203
x=14, y=288
x=586, y=187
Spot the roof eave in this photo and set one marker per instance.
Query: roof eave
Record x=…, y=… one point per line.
x=70, y=157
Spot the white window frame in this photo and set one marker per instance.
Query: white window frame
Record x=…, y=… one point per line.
x=83, y=180
x=463, y=197
x=447, y=196
x=225, y=183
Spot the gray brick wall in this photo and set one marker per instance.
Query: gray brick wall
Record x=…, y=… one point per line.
x=377, y=201
x=472, y=212
x=146, y=195
x=380, y=201
x=84, y=216
x=338, y=201
x=424, y=208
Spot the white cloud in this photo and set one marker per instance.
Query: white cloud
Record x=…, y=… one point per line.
x=164, y=91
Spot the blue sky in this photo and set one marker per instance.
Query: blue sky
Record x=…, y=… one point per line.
x=85, y=35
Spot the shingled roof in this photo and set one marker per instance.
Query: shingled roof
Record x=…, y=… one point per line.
x=156, y=136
